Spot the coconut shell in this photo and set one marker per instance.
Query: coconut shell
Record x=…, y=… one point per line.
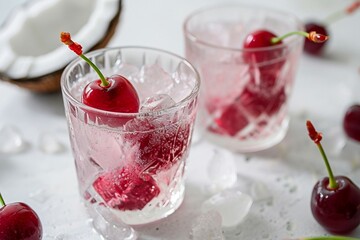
x=50, y=83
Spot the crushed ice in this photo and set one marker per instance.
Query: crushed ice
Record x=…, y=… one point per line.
x=157, y=102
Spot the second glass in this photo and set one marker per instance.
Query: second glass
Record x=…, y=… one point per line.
x=244, y=102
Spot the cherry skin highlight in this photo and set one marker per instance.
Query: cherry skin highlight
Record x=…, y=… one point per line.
x=351, y=122
x=118, y=96
x=18, y=221
x=310, y=46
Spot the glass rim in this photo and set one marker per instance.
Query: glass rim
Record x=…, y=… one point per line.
x=201, y=41
x=192, y=95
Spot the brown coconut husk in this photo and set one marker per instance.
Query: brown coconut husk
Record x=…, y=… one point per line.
x=50, y=82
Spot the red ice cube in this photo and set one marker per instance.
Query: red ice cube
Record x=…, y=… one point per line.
x=160, y=146
x=125, y=189
x=250, y=104
x=231, y=121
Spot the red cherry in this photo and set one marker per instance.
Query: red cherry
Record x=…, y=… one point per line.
x=337, y=210
x=18, y=221
x=114, y=94
x=310, y=46
x=261, y=39
x=351, y=122
x=126, y=188
x=118, y=96
x=335, y=201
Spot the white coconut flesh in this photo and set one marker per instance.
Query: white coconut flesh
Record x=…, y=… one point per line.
x=30, y=38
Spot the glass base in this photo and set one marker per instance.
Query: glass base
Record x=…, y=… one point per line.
x=246, y=146
x=114, y=224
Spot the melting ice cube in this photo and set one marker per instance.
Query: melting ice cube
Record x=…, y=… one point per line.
x=207, y=226
x=221, y=171
x=11, y=140
x=157, y=102
x=233, y=206
x=48, y=143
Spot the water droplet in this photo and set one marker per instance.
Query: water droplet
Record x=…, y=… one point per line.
x=11, y=140
x=289, y=226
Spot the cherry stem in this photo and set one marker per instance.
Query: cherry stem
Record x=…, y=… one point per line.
x=328, y=238
x=104, y=82
x=341, y=14
x=65, y=38
x=2, y=202
x=312, y=36
x=316, y=137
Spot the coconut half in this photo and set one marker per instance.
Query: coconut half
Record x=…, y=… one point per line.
x=31, y=54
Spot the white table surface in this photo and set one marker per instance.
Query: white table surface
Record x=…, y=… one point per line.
x=324, y=87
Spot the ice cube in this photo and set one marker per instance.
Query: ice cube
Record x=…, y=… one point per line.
x=221, y=170
x=184, y=82
x=259, y=191
x=157, y=102
x=232, y=205
x=11, y=140
x=207, y=226
x=48, y=143
x=152, y=80
x=111, y=227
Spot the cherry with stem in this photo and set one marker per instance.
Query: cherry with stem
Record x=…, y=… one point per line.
x=335, y=200
x=115, y=94
x=265, y=54
x=263, y=39
x=321, y=27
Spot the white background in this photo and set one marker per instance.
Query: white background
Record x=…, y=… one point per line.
x=325, y=87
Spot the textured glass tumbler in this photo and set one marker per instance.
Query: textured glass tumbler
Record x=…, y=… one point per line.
x=130, y=167
x=245, y=92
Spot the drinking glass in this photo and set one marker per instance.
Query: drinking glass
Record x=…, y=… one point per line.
x=245, y=92
x=130, y=166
